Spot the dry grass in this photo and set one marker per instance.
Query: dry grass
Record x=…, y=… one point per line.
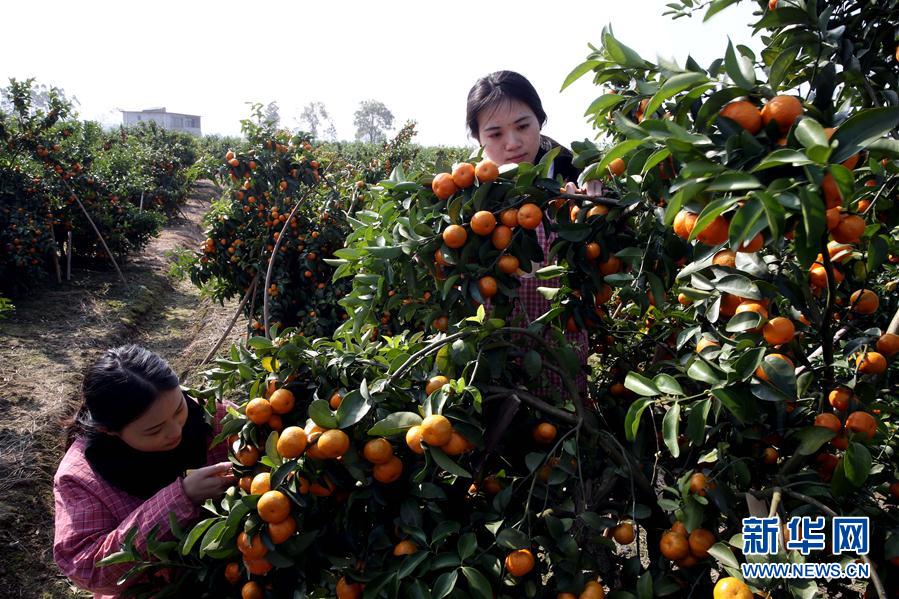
x=47, y=344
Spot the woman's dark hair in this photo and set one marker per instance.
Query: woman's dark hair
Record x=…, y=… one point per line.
x=501, y=86
x=121, y=385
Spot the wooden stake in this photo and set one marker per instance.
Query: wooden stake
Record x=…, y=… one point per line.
x=69, y=251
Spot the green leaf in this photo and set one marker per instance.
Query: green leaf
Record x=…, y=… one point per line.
x=576, y=73
x=669, y=429
x=550, y=272
x=862, y=129
x=774, y=211
x=745, y=321
x=445, y=462
x=603, y=103
x=445, y=584
x=714, y=8
x=620, y=53
x=657, y=157
x=395, y=424
x=667, y=384
x=195, y=533
x=410, y=563
x=810, y=133
x=271, y=449
x=743, y=224
x=812, y=438
x=781, y=66
x=857, y=463
x=739, y=68
x=644, y=583
x=632, y=419
x=601, y=169
x=640, y=385
x=352, y=409
x=738, y=285
x=721, y=552
x=674, y=86
x=701, y=370
x=737, y=402
x=512, y=538
x=532, y=363
x=697, y=419
x=477, y=583
x=260, y=343
x=467, y=545
x=732, y=181
x=783, y=157
x=321, y=414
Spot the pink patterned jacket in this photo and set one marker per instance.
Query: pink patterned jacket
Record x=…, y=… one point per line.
x=535, y=304
x=93, y=517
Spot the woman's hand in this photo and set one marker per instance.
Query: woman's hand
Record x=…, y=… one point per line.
x=208, y=482
x=591, y=188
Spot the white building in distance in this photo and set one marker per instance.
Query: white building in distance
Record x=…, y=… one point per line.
x=166, y=120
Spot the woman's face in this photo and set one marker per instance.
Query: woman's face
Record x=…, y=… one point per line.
x=159, y=428
x=509, y=132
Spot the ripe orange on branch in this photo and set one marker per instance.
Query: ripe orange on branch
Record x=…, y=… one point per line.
x=862, y=423
x=732, y=588
x=674, y=545
x=760, y=371
x=888, y=344
x=483, y=222
x=839, y=398
x=779, y=330
x=744, y=114
x=455, y=236
x=871, y=362
x=273, y=506
x=291, y=442
x=378, y=451
x=520, y=562
x=530, y=216
x=435, y=383
x=829, y=421
x=333, y=443
x=864, y=301
x=282, y=401
x=507, y=264
x=443, y=186
x=487, y=171
x=784, y=110
x=259, y=410
x=436, y=430
x=463, y=175
x=715, y=232
x=544, y=433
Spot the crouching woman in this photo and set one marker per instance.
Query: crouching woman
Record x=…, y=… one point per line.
x=129, y=447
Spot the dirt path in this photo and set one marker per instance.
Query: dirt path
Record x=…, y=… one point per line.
x=45, y=347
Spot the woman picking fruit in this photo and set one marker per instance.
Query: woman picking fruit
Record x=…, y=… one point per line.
x=129, y=446
x=505, y=115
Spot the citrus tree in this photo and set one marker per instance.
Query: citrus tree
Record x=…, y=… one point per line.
x=771, y=180
x=738, y=286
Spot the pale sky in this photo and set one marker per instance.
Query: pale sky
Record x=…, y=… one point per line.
x=418, y=58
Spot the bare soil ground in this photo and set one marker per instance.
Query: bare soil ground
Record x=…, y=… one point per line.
x=45, y=348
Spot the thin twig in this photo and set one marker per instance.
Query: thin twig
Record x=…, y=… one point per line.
x=97, y=231
x=251, y=290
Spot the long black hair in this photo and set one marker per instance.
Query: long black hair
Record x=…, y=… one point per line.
x=118, y=389
x=498, y=87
